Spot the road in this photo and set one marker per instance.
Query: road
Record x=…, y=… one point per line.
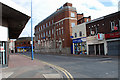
x=83, y=67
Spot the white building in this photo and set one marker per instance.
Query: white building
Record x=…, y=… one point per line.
x=79, y=39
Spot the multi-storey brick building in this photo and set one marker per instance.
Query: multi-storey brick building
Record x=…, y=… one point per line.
x=103, y=35
x=53, y=33
x=23, y=44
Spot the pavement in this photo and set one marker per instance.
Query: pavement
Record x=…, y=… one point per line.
x=21, y=66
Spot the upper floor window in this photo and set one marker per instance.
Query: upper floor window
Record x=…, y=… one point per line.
x=49, y=23
x=72, y=24
x=114, y=26
x=75, y=34
x=52, y=31
x=119, y=24
x=52, y=21
x=43, y=26
x=62, y=30
x=46, y=24
x=59, y=23
x=49, y=31
x=46, y=33
x=80, y=33
x=62, y=22
x=41, y=34
x=39, y=28
x=87, y=20
x=59, y=31
x=72, y=14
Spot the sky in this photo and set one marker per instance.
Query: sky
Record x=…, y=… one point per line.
x=44, y=8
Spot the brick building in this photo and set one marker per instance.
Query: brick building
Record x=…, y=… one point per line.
x=103, y=35
x=53, y=33
x=81, y=19
x=23, y=44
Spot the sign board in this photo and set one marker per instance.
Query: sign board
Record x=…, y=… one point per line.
x=3, y=33
x=100, y=36
x=112, y=35
x=2, y=49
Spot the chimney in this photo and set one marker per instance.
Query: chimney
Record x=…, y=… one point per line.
x=67, y=4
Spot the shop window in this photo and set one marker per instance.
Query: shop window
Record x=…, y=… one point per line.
x=75, y=34
x=80, y=33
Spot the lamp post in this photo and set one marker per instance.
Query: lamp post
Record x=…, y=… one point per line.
x=32, y=56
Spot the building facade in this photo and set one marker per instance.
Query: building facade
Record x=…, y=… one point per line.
x=23, y=44
x=53, y=33
x=13, y=19
x=101, y=35
x=79, y=39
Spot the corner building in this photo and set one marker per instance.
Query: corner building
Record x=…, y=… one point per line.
x=53, y=34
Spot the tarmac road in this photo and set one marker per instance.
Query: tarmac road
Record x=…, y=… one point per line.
x=83, y=67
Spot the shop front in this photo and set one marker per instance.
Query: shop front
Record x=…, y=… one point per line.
x=96, y=45
x=79, y=46
x=113, y=43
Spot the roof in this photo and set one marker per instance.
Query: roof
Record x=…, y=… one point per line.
x=15, y=17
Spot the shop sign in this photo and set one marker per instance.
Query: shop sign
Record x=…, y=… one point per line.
x=2, y=49
x=77, y=40
x=100, y=36
x=91, y=38
x=3, y=33
x=112, y=35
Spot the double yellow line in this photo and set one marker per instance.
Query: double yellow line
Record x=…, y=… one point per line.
x=67, y=74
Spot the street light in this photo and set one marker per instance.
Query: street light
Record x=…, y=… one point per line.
x=32, y=56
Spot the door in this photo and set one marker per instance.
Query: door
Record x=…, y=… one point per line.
x=91, y=50
x=102, y=49
x=97, y=49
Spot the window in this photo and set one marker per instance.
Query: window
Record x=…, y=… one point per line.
x=119, y=24
x=113, y=26
x=75, y=34
x=80, y=33
x=62, y=30
x=49, y=23
x=52, y=21
x=59, y=23
x=41, y=27
x=59, y=31
x=72, y=24
x=46, y=33
x=62, y=22
x=52, y=31
x=49, y=31
x=41, y=34
x=87, y=20
x=72, y=14
x=46, y=24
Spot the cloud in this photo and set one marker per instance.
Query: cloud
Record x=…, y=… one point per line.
x=44, y=8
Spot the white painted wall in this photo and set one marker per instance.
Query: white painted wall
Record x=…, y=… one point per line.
x=78, y=28
x=3, y=33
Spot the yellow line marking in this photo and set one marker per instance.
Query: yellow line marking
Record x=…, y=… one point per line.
x=67, y=74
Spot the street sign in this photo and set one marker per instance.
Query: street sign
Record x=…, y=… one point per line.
x=2, y=49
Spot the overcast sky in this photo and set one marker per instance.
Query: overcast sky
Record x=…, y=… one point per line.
x=43, y=8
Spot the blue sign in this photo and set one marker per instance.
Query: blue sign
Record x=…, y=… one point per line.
x=77, y=40
x=71, y=36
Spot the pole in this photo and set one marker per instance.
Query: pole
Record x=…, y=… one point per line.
x=32, y=56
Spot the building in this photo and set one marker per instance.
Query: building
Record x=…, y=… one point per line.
x=79, y=39
x=103, y=35
x=23, y=44
x=81, y=19
x=119, y=6
x=13, y=19
x=53, y=33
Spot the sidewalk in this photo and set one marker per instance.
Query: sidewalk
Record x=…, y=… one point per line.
x=22, y=67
